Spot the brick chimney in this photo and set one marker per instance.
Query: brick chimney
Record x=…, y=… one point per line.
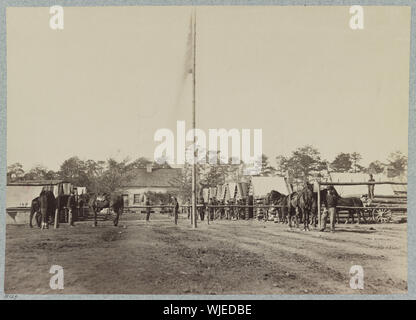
x=149, y=168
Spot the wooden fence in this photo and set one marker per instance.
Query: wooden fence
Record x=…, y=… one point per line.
x=392, y=208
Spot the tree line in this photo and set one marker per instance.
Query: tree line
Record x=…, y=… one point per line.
x=97, y=176
x=302, y=163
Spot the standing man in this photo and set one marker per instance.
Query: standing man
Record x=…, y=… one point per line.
x=147, y=209
x=71, y=207
x=117, y=204
x=371, y=187
x=210, y=208
x=175, y=209
x=188, y=208
x=331, y=202
x=201, y=208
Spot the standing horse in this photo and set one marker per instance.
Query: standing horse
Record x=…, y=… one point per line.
x=287, y=211
x=352, y=202
x=59, y=203
x=48, y=201
x=114, y=202
x=35, y=211
x=276, y=198
x=302, y=201
x=346, y=202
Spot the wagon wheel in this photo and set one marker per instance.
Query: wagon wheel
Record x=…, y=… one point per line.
x=383, y=215
x=370, y=213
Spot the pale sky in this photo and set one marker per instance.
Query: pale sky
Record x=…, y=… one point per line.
x=101, y=87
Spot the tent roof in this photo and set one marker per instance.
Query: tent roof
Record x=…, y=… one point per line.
x=263, y=185
x=232, y=186
x=205, y=194
x=21, y=196
x=399, y=188
x=380, y=189
x=221, y=191
x=37, y=182
x=242, y=190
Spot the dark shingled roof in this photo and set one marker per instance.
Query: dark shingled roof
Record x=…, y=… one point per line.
x=156, y=178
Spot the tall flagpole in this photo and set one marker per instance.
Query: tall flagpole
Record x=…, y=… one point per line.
x=194, y=214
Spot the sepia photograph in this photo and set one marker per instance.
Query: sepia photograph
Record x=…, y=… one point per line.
x=207, y=150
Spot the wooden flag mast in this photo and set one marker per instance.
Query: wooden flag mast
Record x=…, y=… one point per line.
x=194, y=207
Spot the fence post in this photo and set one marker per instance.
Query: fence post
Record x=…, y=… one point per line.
x=208, y=213
x=319, y=205
x=56, y=222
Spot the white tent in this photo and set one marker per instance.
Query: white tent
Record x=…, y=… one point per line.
x=81, y=190
x=221, y=189
x=263, y=185
x=205, y=194
x=232, y=189
x=21, y=196
x=399, y=188
x=242, y=190
x=358, y=190
x=213, y=192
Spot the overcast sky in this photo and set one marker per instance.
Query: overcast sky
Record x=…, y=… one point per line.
x=101, y=87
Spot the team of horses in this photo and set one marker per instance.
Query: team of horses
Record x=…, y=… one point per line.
x=302, y=206
x=95, y=202
x=299, y=207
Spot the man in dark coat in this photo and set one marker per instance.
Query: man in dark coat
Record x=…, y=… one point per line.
x=175, y=209
x=71, y=207
x=201, y=208
x=331, y=202
x=371, y=187
x=147, y=209
x=117, y=204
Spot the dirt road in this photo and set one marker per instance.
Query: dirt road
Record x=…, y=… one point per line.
x=226, y=257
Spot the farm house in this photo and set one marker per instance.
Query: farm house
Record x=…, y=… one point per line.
x=164, y=180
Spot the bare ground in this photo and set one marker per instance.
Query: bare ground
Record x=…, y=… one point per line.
x=226, y=257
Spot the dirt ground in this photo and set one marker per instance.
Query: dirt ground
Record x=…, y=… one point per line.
x=225, y=257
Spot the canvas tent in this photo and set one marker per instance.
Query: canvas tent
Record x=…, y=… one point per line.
x=205, y=194
x=81, y=190
x=263, y=185
x=21, y=196
x=399, y=189
x=359, y=190
x=213, y=192
x=242, y=190
x=221, y=190
x=231, y=190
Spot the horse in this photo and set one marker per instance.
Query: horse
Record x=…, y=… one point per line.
x=305, y=202
x=347, y=202
x=276, y=198
x=35, y=211
x=352, y=202
x=301, y=201
x=48, y=199
x=113, y=201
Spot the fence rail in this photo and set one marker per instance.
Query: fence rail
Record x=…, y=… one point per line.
x=361, y=183
x=368, y=183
